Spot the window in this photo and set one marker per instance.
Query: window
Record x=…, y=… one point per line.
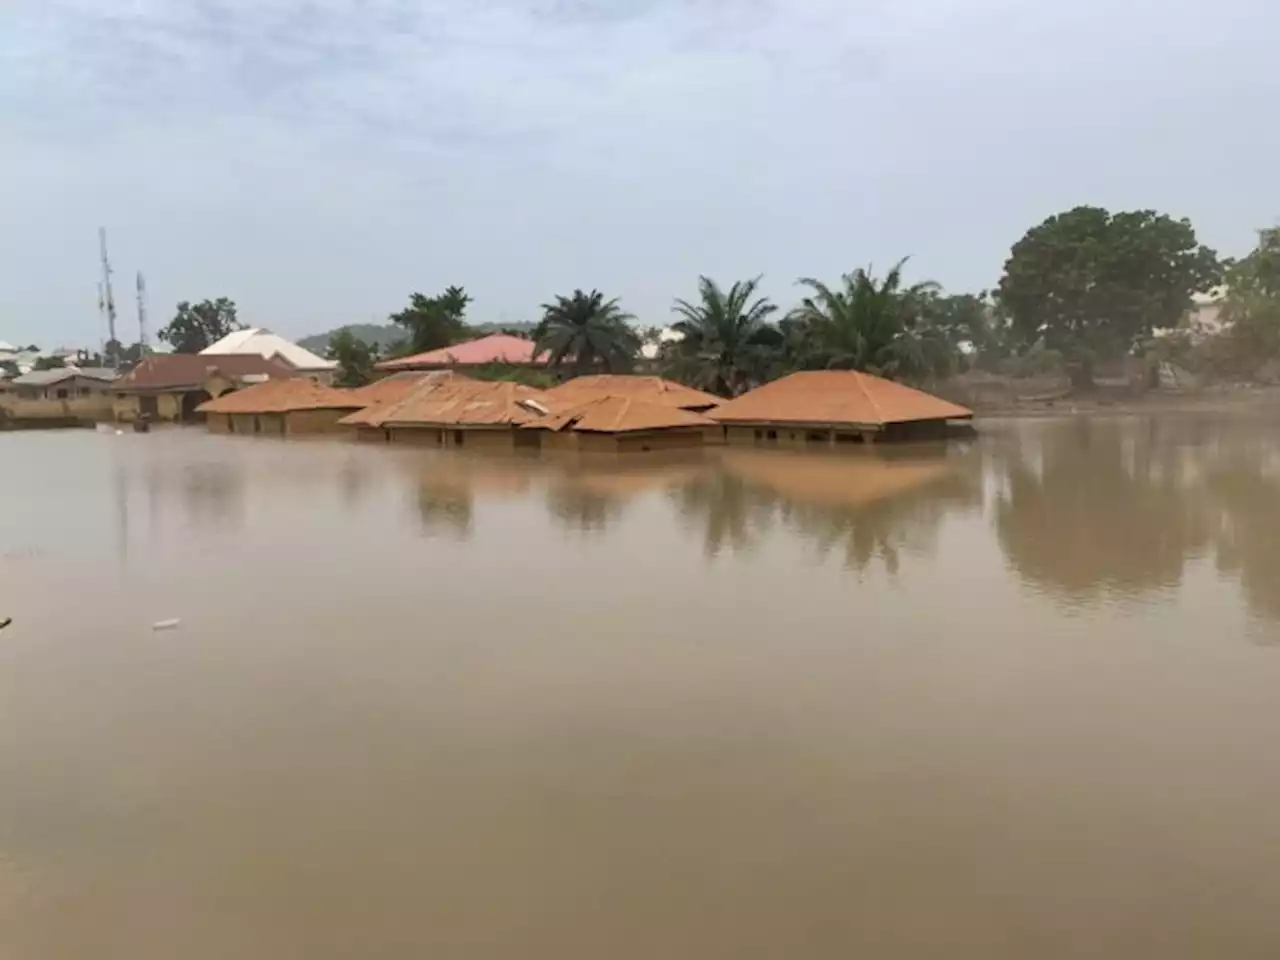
x=773, y=435
x=84, y=391
x=62, y=393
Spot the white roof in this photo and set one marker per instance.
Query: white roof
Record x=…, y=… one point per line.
x=267, y=344
x=7, y=347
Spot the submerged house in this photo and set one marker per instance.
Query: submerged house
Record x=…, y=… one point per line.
x=613, y=424
x=496, y=348
x=381, y=396
x=656, y=390
x=171, y=386
x=462, y=413
x=833, y=407
x=280, y=408
x=63, y=395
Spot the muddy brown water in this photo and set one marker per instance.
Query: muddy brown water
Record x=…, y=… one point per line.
x=1015, y=698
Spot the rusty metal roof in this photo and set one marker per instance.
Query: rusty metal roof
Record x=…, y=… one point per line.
x=282, y=396
x=650, y=389
x=474, y=403
x=422, y=384
x=611, y=414
x=836, y=397
x=176, y=371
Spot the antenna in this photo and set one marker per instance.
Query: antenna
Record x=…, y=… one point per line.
x=112, y=359
x=142, y=314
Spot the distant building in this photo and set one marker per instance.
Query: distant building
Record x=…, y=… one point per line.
x=256, y=341
x=484, y=351
x=832, y=407
x=65, y=394
x=280, y=408
x=170, y=386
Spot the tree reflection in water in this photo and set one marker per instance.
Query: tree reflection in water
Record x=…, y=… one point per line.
x=874, y=505
x=444, y=507
x=1092, y=507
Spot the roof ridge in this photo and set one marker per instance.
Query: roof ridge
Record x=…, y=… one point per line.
x=858, y=378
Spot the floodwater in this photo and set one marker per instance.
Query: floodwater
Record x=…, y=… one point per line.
x=1007, y=699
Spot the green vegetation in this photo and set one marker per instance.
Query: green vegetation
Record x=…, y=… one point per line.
x=432, y=322
x=195, y=327
x=1093, y=285
x=588, y=334
x=48, y=363
x=726, y=338
x=354, y=357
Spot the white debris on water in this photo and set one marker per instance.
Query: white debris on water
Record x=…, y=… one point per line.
x=165, y=624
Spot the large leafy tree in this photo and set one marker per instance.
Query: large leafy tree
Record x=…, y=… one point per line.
x=197, y=326
x=1251, y=308
x=354, y=357
x=1092, y=284
x=588, y=333
x=433, y=322
x=864, y=324
x=726, y=340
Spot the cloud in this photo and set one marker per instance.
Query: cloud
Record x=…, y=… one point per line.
x=319, y=160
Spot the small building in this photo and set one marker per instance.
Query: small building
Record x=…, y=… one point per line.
x=280, y=408
x=256, y=341
x=171, y=386
x=613, y=424
x=496, y=348
x=63, y=395
x=833, y=407
x=467, y=413
x=665, y=393
x=381, y=395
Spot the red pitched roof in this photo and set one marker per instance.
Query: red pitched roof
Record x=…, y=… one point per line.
x=177, y=371
x=421, y=384
x=495, y=348
x=606, y=414
x=649, y=389
x=836, y=397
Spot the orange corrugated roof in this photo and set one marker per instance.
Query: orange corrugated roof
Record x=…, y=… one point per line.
x=281, y=396
x=424, y=384
x=650, y=389
x=473, y=403
x=836, y=397
x=609, y=414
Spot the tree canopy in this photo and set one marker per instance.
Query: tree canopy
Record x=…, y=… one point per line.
x=724, y=337
x=433, y=322
x=588, y=333
x=49, y=363
x=354, y=357
x=1092, y=284
x=197, y=326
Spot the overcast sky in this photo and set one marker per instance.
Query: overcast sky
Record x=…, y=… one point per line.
x=318, y=161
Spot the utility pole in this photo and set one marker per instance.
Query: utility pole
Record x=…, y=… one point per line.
x=112, y=358
x=142, y=315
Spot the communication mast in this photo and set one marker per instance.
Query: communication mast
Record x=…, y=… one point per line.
x=142, y=314
x=112, y=343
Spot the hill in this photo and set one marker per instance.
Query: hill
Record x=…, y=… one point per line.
x=385, y=334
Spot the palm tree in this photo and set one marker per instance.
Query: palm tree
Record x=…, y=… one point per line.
x=865, y=325
x=587, y=331
x=724, y=337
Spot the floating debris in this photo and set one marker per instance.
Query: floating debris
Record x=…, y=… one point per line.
x=5, y=621
x=165, y=624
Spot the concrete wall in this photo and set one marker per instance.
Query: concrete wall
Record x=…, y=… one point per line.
x=218, y=422
x=794, y=438
x=367, y=434
x=96, y=406
x=304, y=422
x=129, y=406
x=570, y=441
x=416, y=436
x=244, y=424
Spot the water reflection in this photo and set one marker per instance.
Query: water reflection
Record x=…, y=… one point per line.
x=1090, y=509
x=871, y=506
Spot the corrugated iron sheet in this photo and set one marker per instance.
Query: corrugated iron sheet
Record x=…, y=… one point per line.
x=611, y=414
x=649, y=389
x=836, y=397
